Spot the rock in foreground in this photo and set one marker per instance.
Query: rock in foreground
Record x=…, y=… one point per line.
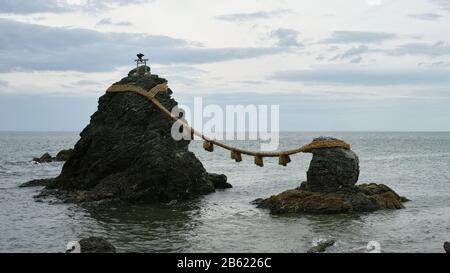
x=330, y=188
x=96, y=245
x=447, y=247
x=127, y=154
x=321, y=246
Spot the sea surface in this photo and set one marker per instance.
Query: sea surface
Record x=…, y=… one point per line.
x=416, y=165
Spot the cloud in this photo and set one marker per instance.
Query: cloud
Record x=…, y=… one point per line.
x=426, y=16
x=240, y=17
x=54, y=6
x=442, y=3
x=436, y=49
x=339, y=37
x=3, y=83
x=109, y=21
x=286, y=37
x=54, y=48
x=26, y=6
x=365, y=77
x=354, y=53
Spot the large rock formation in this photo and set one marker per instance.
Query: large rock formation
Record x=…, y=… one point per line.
x=127, y=153
x=330, y=188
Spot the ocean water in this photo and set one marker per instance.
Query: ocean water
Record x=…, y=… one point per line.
x=416, y=165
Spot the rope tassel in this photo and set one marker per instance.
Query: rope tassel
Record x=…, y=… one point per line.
x=259, y=161
x=208, y=146
x=236, y=156
x=284, y=159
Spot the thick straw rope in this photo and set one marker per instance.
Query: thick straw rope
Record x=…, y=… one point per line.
x=209, y=143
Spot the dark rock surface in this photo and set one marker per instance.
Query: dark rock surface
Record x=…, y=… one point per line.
x=330, y=188
x=36, y=183
x=332, y=169
x=447, y=247
x=45, y=158
x=96, y=245
x=63, y=155
x=321, y=246
x=127, y=154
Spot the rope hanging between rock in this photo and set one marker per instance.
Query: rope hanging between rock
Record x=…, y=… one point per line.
x=208, y=144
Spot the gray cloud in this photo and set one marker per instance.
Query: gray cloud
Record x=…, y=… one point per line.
x=52, y=48
x=286, y=37
x=86, y=82
x=3, y=83
x=426, y=16
x=339, y=37
x=27, y=6
x=37, y=6
x=240, y=17
x=109, y=21
x=442, y=3
x=354, y=53
x=437, y=49
x=365, y=77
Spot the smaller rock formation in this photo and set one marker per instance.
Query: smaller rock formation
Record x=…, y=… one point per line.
x=447, y=247
x=321, y=246
x=62, y=155
x=45, y=158
x=330, y=188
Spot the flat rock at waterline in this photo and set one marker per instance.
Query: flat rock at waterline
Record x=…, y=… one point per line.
x=363, y=198
x=127, y=154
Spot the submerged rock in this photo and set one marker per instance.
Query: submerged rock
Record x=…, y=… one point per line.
x=127, y=154
x=330, y=188
x=321, y=246
x=96, y=245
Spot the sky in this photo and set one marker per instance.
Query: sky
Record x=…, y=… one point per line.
x=331, y=65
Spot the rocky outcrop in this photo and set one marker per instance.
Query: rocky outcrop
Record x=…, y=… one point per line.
x=321, y=246
x=36, y=183
x=447, y=247
x=62, y=155
x=330, y=188
x=127, y=154
x=363, y=198
x=45, y=158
